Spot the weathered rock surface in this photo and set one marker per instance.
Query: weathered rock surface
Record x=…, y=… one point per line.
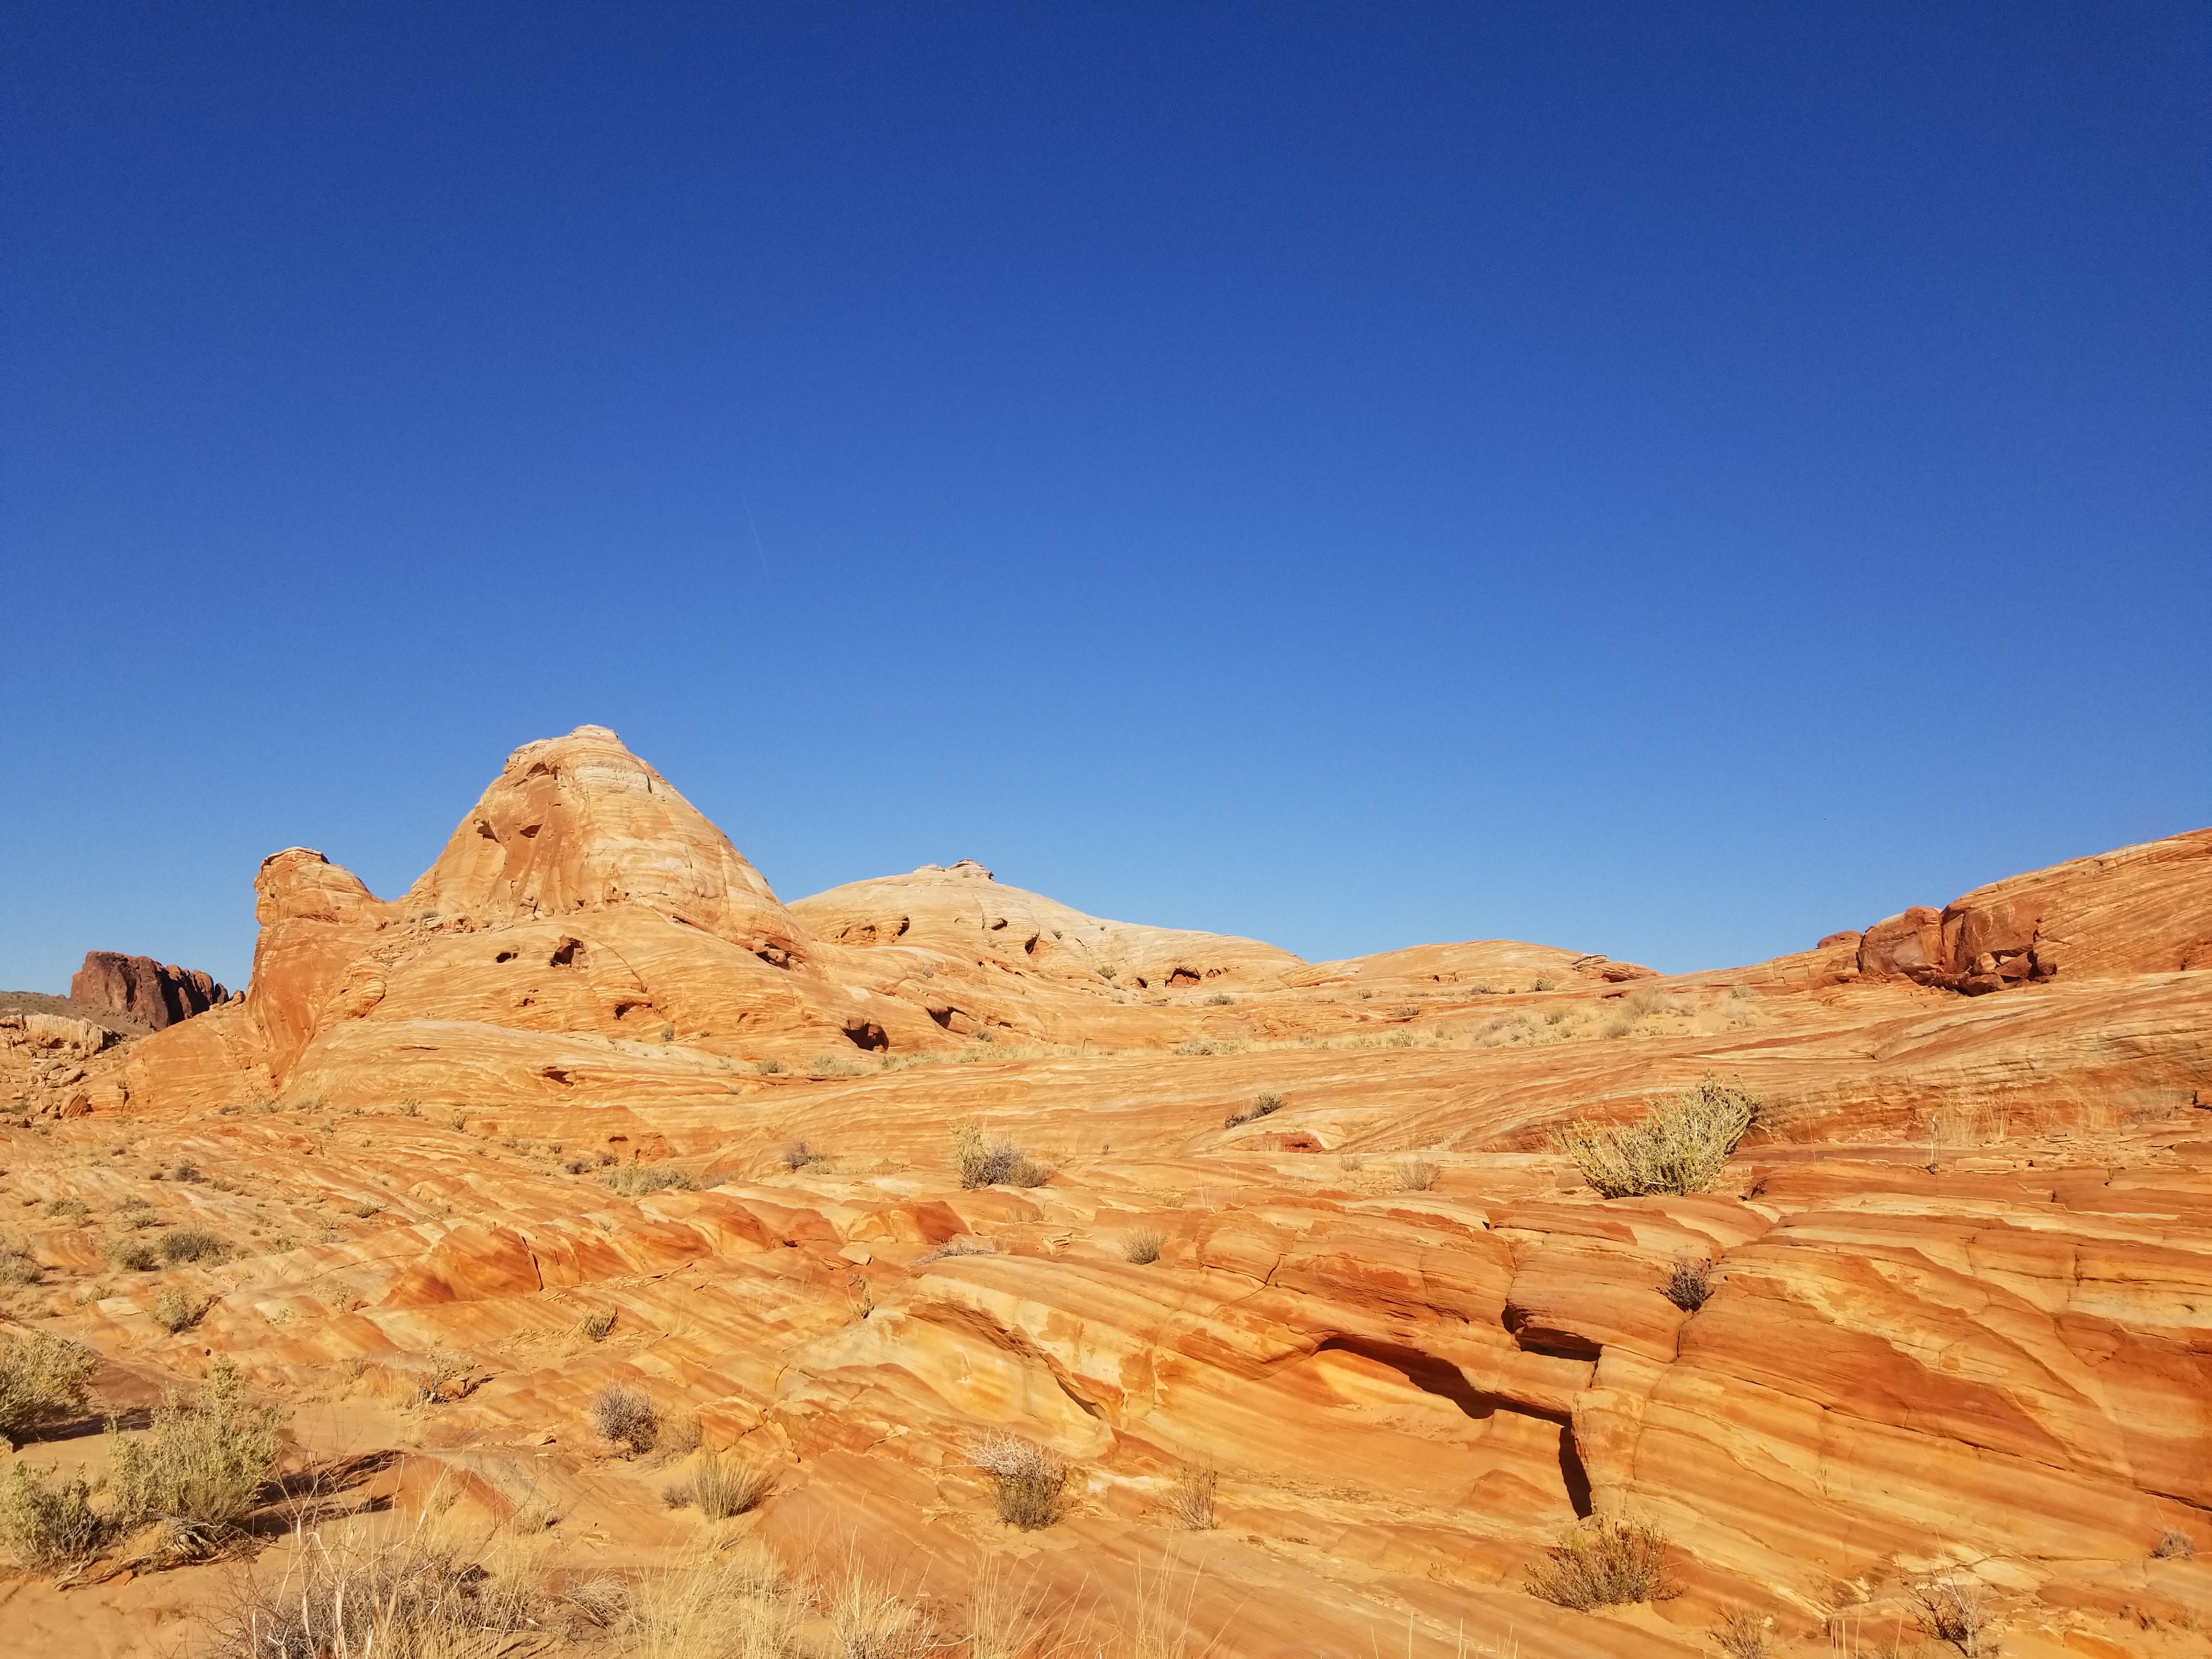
x=143, y=990
x=1960, y=1291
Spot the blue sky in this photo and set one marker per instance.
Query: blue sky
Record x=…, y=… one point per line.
x=1670, y=481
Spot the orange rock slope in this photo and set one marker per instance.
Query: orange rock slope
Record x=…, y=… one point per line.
x=1307, y=1229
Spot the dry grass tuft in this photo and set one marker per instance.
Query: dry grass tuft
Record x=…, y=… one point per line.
x=637, y=1180
x=626, y=1417
x=43, y=1379
x=2174, y=1545
x=1416, y=1175
x=1027, y=1480
x=985, y=1162
x=1606, y=1563
x=596, y=1325
x=1143, y=1246
x=721, y=1487
x=408, y=1595
x=200, y=1468
x=1190, y=1500
x=1681, y=1145
x=1741, y=1634
x=716, y=1604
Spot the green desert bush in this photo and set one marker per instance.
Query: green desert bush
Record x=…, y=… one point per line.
x=200, y=1467
x=43, y=1379
x=176, y=1310
x=1607, y=1562
x=47, y=1519
x=139, y=1255
x=1678, y=1147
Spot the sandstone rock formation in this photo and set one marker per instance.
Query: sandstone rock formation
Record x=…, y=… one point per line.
x=589, y=1105
x=139, y=988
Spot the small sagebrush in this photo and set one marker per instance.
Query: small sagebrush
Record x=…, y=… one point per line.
x=637, y=1180
x=1026, y=1479
x=47, y=1519
x=596, y=1325
x=1681, y=1146
x=200, y=1468
x=1689, y=1284
x=626, y=1416
x=2174, y=1545
x=1608, y=1562
x=982, y=1162
x=43, y=1379
x=1957, y=1611
x=194, y=1244
x=176, y=1312
x=799, y=1155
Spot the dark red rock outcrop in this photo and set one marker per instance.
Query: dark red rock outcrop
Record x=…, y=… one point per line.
x=143, y=989
x=2140, y=909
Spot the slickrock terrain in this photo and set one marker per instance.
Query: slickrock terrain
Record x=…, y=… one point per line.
x=1283, y=1260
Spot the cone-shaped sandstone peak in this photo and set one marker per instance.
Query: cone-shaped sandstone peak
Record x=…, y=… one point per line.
x=579, y=823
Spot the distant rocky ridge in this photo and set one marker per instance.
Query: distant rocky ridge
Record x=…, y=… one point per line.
x=141, y=989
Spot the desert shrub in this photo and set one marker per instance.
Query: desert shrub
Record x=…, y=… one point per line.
x=1678, y=1147
x=1143, y=1246
x=185, y=1171
x=1618, y=1026
x=1957, y=1611
x=140, y=1255
x=18, y=1267
x=1026, y=1479
x=719, y=1487
x=833, y=1066
x=797, y=1155
x=200, y=1467
x=68, y=1209
x=1266, y=1103
x=768, y=1067
x=1416, y=1175
x=1190, y=1500
x=959, y=1245
x=177, y=1311
x=636, y=1180
x=2174, y=1545
x=596, y=1325
x=406, y=1596
x=1741, y=1634
x=1689, y=1284
x=47, y=1520
x=1605, y=1563
x=626, y=1416
x=1544, y=984
x=194, y=1244
x=43, y=1379
x=985, y=1162
x=135, y=1213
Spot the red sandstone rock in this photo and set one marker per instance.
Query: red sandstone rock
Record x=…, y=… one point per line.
x=139, y=988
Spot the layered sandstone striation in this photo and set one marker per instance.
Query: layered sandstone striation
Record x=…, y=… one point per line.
x=589, y=1105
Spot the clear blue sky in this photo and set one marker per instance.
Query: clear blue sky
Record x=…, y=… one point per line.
x=1666, y=480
